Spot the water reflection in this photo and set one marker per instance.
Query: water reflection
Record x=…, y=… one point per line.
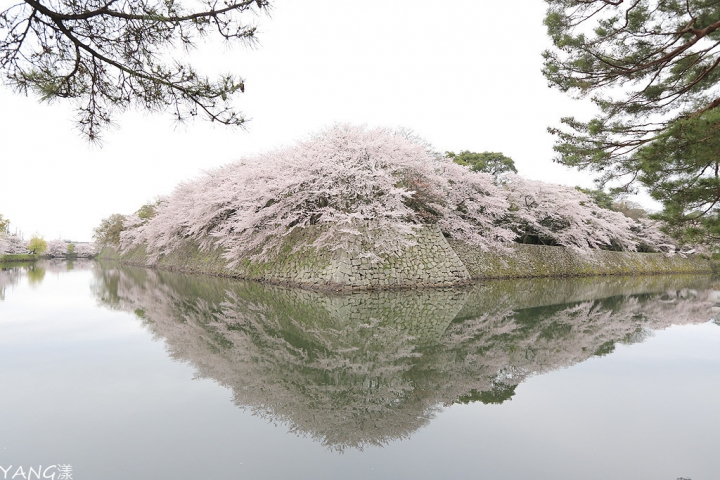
x=9, y=276
x=370, y=368
x=12, y=272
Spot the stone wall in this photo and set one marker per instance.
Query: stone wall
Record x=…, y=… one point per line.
x=520, y=261
x=433, y=262
x=430, y=263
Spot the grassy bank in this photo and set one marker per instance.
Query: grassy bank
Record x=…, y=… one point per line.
x=29, y=257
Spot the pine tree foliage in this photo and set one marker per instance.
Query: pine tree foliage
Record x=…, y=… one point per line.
x=494, y=163
x=682, y=169
x=108, y=232
x=648, y=64
x=601, y=198
x=109, y=55
x=651, y=66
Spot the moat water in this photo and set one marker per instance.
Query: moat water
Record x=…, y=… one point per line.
x=111, y=372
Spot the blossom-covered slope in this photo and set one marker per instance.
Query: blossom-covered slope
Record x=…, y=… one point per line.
x=371, y=184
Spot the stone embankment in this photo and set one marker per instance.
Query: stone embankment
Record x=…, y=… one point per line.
x=522, y=261
x=433, y=262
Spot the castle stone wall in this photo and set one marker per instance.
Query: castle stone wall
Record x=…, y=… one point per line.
x=433, y=262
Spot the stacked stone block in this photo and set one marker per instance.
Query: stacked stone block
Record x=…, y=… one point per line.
x=518, y=261
x=433, y=261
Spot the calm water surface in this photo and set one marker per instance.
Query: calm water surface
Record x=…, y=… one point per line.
x=128, y=373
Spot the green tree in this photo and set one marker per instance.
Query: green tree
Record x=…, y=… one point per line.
x=147, y=211
x=601, y=198
x=71, y=248
x=630, y=209
x=682, y=169
x=499, y=394
x=494, y=163
x=110, y=55
x=651, y=67
x=37, y=245
x=4, y=224
x=35, y=275
x=108, y=232
x=607, y=200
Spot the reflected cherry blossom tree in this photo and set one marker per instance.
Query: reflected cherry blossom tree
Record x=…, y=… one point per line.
x=367, y=369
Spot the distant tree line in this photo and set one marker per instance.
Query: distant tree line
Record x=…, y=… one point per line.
x=14, y=245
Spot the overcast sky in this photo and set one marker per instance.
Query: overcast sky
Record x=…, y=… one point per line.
x=464, y=74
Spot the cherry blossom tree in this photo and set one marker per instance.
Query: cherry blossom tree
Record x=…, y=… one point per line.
x=84, y=250
x=11, y=244
x=352, y=181
x=374, y=185
x=56, y=248
x=563, y=215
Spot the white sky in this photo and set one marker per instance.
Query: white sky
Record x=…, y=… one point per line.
x=464, y=74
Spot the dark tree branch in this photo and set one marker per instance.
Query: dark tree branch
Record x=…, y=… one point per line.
x=111, y=55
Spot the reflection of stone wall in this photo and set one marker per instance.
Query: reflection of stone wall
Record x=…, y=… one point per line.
x=530, y=293
x=424, y=315
x=367, y=368
x=293, y=356
x=544, y=261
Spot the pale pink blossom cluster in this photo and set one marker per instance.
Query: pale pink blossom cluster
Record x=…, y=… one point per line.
x=652, y=237
x=56, y=248
x=11, y=244
x=563, y=215
x=355, y=182
x=84, y=250
x=372, y=185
